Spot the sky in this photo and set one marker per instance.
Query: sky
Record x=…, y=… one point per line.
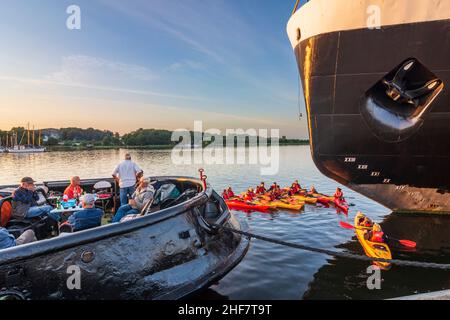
x=149, y=64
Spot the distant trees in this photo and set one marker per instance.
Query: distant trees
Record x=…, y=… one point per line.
x=145, y=137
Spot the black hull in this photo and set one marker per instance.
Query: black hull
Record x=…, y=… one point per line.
x=405, y=169
x=170, y=254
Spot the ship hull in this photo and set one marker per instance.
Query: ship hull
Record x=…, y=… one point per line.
x=357, y=136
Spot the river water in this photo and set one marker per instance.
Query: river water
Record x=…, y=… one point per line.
x=270, y=271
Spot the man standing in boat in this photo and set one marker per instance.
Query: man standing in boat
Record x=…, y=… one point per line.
x=126, y=174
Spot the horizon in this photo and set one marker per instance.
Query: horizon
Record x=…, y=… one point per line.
x=227, y=63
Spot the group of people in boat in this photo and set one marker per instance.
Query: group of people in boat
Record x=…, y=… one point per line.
x=275, y=192
x=29, y=201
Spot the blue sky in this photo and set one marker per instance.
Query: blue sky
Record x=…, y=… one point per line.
x=149, y=63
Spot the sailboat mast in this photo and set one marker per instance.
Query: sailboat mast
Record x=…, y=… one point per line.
x=33, y=137
x=28, y=134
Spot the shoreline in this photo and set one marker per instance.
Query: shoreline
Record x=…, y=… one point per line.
x=149, y=147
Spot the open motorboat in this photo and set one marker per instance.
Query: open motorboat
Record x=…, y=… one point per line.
x=173, y=250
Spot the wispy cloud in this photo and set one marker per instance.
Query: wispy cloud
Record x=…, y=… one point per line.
x=77, y=68
x=48, y=82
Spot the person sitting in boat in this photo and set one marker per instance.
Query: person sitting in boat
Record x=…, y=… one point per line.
x=249, y=195
x=25, y=202
x=7, y=240
x=230, y=193
x=143, y=194
x=339, y=195
x=89, y=217
x=261, y=189
x=376, y=234
x=297, y=185
x=312, y=190
x=74, y=190
x=294, y=189
x=274, y=186
x=225, y=194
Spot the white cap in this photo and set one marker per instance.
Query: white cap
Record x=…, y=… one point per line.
x=89, y=199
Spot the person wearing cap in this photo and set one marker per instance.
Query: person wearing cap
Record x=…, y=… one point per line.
x=126, y=174
x=74, y=191
x=89, y=217
x=143, y=194
x=25, y=202
x=7, y=240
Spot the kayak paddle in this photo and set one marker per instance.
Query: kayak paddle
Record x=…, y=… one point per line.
x=406, y=243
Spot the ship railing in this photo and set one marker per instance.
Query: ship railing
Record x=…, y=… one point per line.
x=298, y=5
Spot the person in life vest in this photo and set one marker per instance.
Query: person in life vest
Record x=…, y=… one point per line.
x=297, y=185
x=312, y=190
x=274, y=186
x=339, y=195
x=230, y=193
x=249, y=195
x=293, y=190
x=377, y=235
x=225, y=194
x=261, y=189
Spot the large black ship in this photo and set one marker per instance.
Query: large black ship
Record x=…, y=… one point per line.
x=374, y=77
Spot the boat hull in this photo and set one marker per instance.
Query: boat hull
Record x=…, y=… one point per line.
x=166, y=255
x=399, y=162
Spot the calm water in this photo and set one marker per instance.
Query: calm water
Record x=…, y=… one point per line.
x=270, y=271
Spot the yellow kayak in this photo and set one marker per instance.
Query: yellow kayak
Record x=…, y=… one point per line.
x=264, y=203
x=372, y=249
x=308, y=200
x=290, y=206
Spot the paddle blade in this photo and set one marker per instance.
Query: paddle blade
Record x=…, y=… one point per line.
x=346, y=225
x=408, y=243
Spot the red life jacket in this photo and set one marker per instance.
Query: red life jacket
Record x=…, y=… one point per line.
x=230, y=194
x=377, y=236
x=338, y=195
x=260, y=190
x=225, y=195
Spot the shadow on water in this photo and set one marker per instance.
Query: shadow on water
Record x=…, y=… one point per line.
x=343, y=278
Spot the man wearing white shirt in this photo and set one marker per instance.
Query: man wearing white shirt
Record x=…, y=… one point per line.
x=126, y=174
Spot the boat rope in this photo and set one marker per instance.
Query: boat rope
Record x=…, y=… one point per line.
x=296, y=7
x=339, y=254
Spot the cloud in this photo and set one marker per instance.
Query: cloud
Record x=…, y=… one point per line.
x=78, y=68
x=49, y=82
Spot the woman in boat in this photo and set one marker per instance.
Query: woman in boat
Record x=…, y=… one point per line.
x=143, y=194
x=376, y=234
x=312, y=190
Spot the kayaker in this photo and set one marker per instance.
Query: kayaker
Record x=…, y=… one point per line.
x=261, y=189
x=339, y=195
x=225, y=194
x=313, y=190
x=249, y=195
x=274, y=186
x=230, y=193
x=376, y=234
x=297, y=185
x=294, y=189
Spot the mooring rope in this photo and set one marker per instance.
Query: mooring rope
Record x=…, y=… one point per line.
x=339, y=254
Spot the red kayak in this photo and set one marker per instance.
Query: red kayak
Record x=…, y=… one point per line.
x=240, y=205
x=341, y=205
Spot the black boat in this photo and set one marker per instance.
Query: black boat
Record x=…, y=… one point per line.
x=374, y=76
x=174, y=250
